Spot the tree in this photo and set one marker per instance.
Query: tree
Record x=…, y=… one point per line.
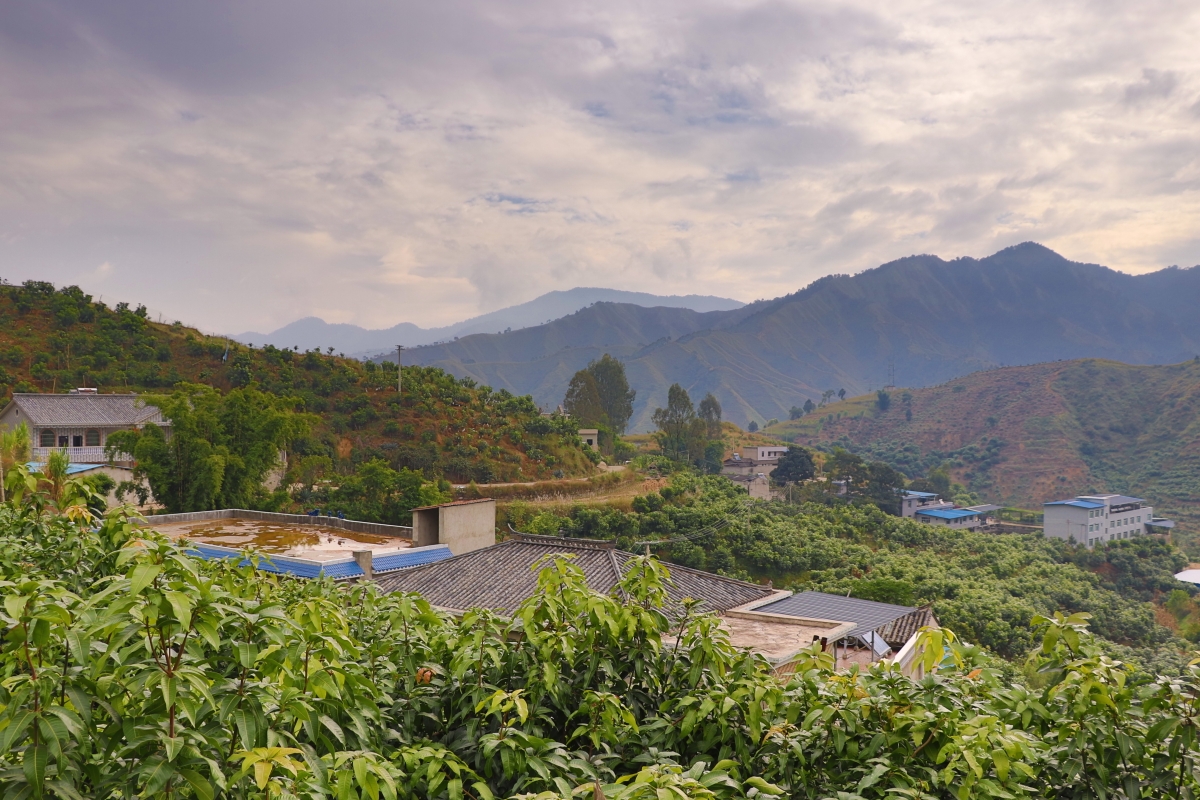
x=883, y=400
x=612, y=387
x=794, y=466
x=14, y=450
x=681, y=434
x=583, y=400
x=809, y=406
x=710, y=412
x=796, y=412
x=220, y=451
x=752, y=427
x=841, y=394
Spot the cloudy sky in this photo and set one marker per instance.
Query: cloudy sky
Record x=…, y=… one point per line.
x=238, y=165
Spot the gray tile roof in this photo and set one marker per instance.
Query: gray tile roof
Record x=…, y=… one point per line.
x=896, y=624
x=83, y=410
x=502, y=577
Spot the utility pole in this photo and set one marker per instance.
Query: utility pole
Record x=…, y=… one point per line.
x=399, y=376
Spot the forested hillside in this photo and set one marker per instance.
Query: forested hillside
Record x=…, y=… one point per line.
x=53, y=340
x=1025, y=435
x=928, y=319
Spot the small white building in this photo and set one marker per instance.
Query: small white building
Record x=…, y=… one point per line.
x=764, y=452
x=590, y=437
x=78, y=423
x=956, y=518
x=757, y=486
x=1097, y=519
x=911, y=503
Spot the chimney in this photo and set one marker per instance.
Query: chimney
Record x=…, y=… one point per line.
x=365, y=560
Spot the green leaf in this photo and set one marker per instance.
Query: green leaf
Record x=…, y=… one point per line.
x=181, y=604
x=202, y=788
x=141, y=576
x=34, y=766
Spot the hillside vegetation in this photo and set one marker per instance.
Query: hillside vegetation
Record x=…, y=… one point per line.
x=52, y=340
x=1022, y=436
x=930, y=319
x=135, y=670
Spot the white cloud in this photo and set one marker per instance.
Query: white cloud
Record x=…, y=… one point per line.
x=247, y=165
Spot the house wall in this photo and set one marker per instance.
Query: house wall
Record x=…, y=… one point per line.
x=1091, y=527
x=464, y=527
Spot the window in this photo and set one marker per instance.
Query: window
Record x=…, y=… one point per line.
x=77, y=440
x=64, y=441
x=92, y=438
x=47, y=438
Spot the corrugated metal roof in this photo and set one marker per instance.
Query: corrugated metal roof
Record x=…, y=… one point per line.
x=503, y=576
x=896, y=624
x=72, y=469
x=1076, y=503
x=948, y=513
x=910, y=493
x=302, y=568
x=985, y=508
x=83, y=410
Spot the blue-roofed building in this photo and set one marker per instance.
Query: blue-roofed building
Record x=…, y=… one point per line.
x=1098, y=519
x=951, y=517
x=911, y=503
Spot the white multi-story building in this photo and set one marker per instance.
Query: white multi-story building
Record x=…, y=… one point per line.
x=1097, y=519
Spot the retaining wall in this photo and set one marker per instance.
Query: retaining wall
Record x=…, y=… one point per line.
x=377, y=528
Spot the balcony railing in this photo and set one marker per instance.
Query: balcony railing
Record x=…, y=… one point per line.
x=78, y=455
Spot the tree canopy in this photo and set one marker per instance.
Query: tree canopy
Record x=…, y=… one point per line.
x=710, y=412
x=616, y=398
x=794, y=466
x=220, y=449
x=583, y=400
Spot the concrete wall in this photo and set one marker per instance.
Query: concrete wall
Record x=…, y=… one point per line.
x=467, y=526
x=463, y=526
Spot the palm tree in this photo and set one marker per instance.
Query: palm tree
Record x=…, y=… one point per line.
x=14, y=449
x=55, y=473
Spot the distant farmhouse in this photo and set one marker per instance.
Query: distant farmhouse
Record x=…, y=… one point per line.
x=78, y=423
x=1097, y=519
x=930, y=509
x=750, y=467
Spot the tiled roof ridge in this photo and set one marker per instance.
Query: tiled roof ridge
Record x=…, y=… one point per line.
x=563, y=541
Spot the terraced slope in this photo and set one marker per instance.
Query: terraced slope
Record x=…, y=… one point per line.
x=1025, y=435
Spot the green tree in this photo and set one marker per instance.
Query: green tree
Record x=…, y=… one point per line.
x=841, y=394
x=796, y=412
x=583, y=400
x=220, y=448
x=883, y=400
x=14, y=450
x=612, y=387
x=681, y=434
x=752, y=427
x=710, y=412
x=794, y=466
x=809, y=406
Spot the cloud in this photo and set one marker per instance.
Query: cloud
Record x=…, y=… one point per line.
x=371, y=162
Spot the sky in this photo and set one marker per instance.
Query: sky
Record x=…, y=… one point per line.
x=239, y=165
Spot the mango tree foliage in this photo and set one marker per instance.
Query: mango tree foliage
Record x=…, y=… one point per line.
x=131, y=669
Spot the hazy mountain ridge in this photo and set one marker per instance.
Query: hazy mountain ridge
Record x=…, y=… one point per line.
x=932, y=319
x=313, y=332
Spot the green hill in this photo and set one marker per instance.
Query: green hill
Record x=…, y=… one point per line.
x=929, y=319
x=1024, y=435
x=54, y=339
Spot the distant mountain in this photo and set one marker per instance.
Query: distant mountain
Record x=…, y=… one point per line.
x=1025, y=435
x=927, y=319
x=312, y=332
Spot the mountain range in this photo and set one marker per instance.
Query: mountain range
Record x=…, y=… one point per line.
x=917, y=321
x=312, y=332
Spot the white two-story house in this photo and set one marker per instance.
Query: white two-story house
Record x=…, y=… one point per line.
x=79, y=423
x=1097, y=519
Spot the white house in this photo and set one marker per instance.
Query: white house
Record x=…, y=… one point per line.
x=79, y=423
x=1096, y=519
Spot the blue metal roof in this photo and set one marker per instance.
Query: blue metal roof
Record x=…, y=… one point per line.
x=909, y=493
x=949, y=513
x=72, y=469
x=303, y=568
x=1076, y=503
